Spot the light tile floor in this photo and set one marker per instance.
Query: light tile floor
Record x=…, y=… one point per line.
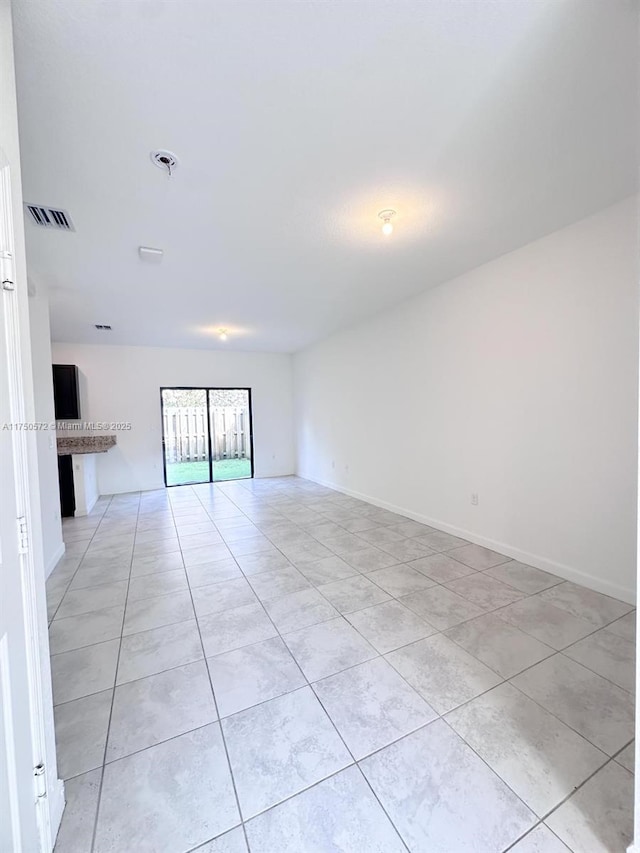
x=272, y=666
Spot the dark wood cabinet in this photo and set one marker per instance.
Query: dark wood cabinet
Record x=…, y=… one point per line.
x=66, y=392
x=67, y=491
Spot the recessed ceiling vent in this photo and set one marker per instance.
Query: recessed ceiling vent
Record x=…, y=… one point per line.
x=164, y=159
x=50, y=217
x=102, y=327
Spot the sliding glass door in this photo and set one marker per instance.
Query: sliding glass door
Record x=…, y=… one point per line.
x=206, y=434
x=230, y=422
x=185, y=436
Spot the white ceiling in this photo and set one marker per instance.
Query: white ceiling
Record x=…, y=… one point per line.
x=484, y=124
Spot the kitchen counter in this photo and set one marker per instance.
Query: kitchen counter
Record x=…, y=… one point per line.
x=85, y=444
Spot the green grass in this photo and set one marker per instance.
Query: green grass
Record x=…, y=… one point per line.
x=179, y=473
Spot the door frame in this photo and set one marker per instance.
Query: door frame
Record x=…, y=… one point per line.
x=208, y=389
x=48, y=790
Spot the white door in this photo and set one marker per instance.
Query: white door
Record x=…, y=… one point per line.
x=23, y=813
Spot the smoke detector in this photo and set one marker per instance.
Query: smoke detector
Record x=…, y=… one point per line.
x=166, y=160
x=146, y=253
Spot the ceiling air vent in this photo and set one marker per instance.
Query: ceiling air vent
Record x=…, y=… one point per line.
x=102, y=327
x=50, y=217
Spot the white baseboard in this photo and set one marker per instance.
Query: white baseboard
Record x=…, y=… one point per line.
x=272, y=475
x=55, y=559
x=566, y=572
x=56, y=808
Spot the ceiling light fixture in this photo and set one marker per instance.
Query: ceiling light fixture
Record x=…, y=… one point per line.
x=146, y=253
x=222, y=333
x=387, y=224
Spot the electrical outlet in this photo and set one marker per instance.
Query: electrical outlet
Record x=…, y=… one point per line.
x=333, y=463
x=474, y=499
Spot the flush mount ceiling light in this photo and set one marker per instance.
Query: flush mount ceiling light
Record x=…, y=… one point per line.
x=222, y=334
x=166, y=160
x=387, y=224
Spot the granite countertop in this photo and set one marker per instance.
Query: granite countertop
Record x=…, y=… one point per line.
x=85, y=444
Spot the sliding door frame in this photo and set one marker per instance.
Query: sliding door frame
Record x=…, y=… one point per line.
x=208, y=389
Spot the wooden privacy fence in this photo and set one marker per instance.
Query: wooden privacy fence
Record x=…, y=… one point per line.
x=186, y=434
x=230, y=433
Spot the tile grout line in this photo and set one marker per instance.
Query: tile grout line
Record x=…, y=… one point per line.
x=113, y=694
x=215, y=702
x=529, y=831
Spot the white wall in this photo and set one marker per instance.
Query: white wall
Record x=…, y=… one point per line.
x=123, y=384
x=517, y=381
x=52, y=544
